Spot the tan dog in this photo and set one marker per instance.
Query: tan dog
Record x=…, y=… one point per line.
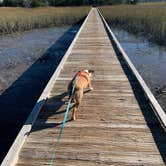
x=80, y=81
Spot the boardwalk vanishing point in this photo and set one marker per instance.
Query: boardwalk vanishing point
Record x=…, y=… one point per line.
x=120, y=122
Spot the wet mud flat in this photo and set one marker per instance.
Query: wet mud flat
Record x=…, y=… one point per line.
x=19, y=51
x=27, y=61
x=150, y=61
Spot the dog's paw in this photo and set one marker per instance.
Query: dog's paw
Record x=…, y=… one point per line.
x=91, y=88
x=73, y=118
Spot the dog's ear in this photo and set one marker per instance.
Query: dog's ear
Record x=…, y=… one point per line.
x=91, y=71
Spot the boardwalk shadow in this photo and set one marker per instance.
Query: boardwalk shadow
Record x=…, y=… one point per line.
x=50, y=111
x=155, y=127
x=53, y=108
x=18, y=100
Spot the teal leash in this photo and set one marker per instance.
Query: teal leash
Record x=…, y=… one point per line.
x=62, y=127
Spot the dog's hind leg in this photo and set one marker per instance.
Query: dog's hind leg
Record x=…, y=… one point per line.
x=77, y=99
x=73, y=115
x=75, y=109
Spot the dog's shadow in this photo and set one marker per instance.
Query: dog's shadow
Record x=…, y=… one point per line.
x=53, y=108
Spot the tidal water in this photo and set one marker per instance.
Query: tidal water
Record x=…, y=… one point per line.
x=149, y=59
x=20, y=51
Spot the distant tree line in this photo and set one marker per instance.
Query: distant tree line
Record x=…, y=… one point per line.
x=152, y=0
x=88, y=2
x=37, y=3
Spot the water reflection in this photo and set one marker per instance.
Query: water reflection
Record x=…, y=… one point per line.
x=149, y=59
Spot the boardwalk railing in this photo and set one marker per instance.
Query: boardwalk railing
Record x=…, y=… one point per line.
x=150, y=97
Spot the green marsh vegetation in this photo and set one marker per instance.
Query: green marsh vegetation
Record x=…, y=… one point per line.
x=44, y=13
x=148, y=19
x=16, y=19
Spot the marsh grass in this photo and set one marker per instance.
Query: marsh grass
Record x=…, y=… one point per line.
x=147, y=19
x=21, y=19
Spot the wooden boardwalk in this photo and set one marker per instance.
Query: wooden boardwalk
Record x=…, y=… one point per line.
x=115, y=125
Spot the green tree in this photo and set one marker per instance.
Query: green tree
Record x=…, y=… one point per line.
x=8, y=3
x=38, y=3
x=133, y=2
